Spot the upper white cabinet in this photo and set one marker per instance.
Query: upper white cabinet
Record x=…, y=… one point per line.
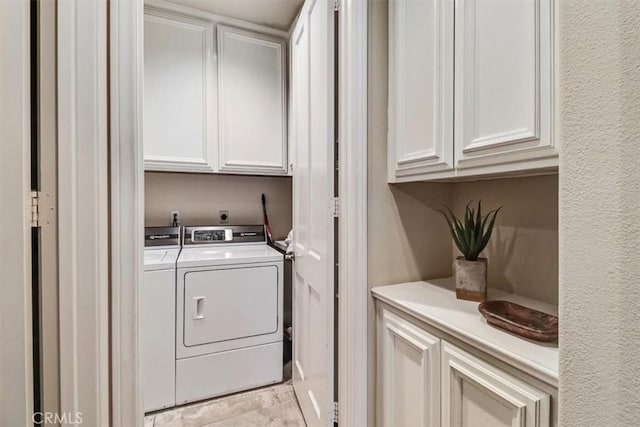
x=214, y=93
x=503, y=85
x=252, y=102
x=420, y=87
x=179, y=108
x=487, y=111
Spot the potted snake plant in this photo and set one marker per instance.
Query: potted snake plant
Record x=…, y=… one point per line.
x=471, y=235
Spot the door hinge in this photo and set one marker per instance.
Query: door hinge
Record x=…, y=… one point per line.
x=336, y=5
x=35, y=209
x=334, y=209
x=334, y=415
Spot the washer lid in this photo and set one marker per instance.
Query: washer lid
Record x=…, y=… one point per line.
x=160, y=259
x=227, y=255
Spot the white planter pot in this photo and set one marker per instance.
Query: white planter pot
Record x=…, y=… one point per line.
x=471, y=279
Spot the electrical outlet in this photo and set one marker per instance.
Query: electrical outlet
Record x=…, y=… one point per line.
x=175, y=217
x=224, y=217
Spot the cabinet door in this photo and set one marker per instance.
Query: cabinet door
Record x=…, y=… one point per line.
x=477, y=394
x=252, y=102
x=503, y=85
x=408, y=373
x=179, y=115
x=420, y=88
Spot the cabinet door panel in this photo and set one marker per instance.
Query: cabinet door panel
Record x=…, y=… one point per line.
x=504, y=77
x=252, y=102
x=178, y=88
x=420, y=87
x=477, y=394
x=408, y=374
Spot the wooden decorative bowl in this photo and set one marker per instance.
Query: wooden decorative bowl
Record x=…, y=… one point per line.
x=520, y=320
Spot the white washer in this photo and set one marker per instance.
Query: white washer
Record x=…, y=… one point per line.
x=229, y=312
x=158, y=325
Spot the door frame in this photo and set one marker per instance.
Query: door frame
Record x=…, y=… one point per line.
x=354, y=396
x=16, y=358
x=127, y=225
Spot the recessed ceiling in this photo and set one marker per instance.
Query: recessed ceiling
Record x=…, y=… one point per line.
x=278, y=14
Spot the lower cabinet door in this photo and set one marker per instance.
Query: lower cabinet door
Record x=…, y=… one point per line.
x=408, y=373
x=477, y=394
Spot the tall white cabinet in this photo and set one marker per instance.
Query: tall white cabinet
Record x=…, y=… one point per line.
x=215, y=95
x=471, y=88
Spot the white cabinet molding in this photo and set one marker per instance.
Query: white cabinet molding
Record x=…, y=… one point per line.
x=504, y=82
x=409, y=373
x=126, y=208
x=421, y=35
x=252, y=106
x=477, y=393
x=83, y=210
x=179, y=102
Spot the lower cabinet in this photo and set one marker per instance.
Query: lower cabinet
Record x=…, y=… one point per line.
x=424, y=380
x=477, y=394
x=409, y=373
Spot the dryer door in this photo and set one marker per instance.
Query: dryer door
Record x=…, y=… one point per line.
x=228, y=304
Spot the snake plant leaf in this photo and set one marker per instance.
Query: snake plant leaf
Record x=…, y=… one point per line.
x=487, y=236
x=472, y=232
x=456, y=240
x=460, y=235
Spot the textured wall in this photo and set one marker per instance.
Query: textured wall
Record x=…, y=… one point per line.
x=523, y=251
x=200, y=197
x=599, y=211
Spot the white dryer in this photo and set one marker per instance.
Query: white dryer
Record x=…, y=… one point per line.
x=229, y=312
x=158, y=325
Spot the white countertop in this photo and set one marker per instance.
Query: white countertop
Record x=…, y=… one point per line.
x=434, y=302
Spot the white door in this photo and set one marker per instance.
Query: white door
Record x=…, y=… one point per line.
x=16, y=395
x=313, y=136
x=478, y=394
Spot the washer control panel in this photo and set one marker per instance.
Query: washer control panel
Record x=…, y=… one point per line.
x=212, y=235
x=205, y=235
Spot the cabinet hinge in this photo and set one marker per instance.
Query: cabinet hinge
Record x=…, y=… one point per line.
x=334, y=208
x=334, y=415
x=336, y=5
x=35, y=209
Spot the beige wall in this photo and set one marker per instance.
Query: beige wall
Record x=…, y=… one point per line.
x=200, y=197
x=599, y=213
x=523, y=251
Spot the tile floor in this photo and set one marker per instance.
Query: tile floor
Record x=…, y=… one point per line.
x=274, y=406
